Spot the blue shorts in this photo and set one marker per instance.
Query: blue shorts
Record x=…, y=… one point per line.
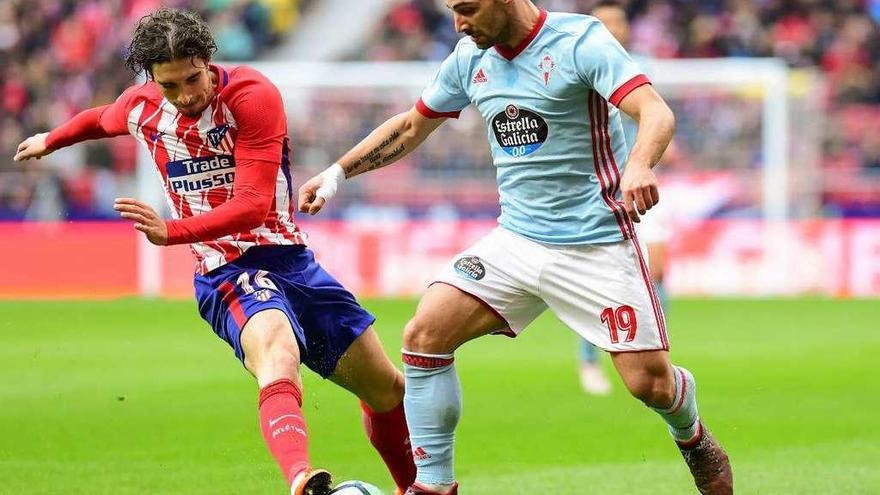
x=325, y=317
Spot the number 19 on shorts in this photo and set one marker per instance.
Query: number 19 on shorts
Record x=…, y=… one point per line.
x=620, y=319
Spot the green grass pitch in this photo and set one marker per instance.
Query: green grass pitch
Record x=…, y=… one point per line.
x=139, y=397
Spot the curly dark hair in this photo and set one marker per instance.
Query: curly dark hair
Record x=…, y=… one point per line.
x=169, y=34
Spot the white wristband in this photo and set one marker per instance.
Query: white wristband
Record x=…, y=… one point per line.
x=332, y=176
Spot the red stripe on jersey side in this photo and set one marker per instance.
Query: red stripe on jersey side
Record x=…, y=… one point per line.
x=426, y=362
x=612, y=205
x=230, y=297
x=611, y=173
x=627, y=88
x=432, y=114
x=608, y=148
x=652, y=294
x=609, y=155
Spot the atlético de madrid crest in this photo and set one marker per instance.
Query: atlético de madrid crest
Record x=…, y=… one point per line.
x=547, y=65
x=215, y=135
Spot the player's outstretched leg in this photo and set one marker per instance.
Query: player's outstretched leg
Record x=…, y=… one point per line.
x=671, y=392
x=433, y=408
x=445, y=319
x=366, y=371
x=389, y=435
x=271, y=354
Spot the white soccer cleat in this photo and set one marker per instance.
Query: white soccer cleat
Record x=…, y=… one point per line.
x=593, y=379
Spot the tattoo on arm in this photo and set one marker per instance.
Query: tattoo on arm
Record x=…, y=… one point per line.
x=376, y=157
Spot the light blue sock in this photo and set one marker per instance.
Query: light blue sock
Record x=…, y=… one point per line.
x=682, y=418
x=662, y=295
x=432, y=403
x=588, y=352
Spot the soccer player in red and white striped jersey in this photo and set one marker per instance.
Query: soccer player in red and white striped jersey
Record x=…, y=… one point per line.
x=219, y=139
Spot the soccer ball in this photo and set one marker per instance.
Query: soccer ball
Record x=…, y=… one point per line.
x=356, y=488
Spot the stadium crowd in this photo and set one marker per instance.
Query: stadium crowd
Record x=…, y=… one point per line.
x=59, y=57
x=62, y=56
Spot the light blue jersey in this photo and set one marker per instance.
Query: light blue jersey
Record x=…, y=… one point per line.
x=557, y=144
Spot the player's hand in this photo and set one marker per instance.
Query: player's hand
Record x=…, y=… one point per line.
x=639, y=188
x=145, y=219
x=32, y=147
x=320, y=188
x=309, y=201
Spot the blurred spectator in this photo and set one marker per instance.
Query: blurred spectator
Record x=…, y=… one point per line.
x=58, y=57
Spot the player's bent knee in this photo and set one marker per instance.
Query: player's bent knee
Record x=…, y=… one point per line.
x=422, y=335
x=653, y=391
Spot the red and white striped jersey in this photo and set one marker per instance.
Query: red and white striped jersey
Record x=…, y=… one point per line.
x=196, y=157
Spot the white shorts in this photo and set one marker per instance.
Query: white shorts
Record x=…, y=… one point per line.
x=602, y=291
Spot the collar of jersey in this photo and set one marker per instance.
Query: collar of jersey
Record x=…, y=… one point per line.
x=222, y=77
x=509, y=53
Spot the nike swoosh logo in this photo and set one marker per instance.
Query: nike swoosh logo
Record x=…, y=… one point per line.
x=273, y=422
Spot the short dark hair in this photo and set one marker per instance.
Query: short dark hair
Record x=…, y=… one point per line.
x=169, y=34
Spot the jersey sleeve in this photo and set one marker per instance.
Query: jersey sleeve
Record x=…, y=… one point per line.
x=445, y=95
x=603, y=65
x=258, y=111
x=94, y=123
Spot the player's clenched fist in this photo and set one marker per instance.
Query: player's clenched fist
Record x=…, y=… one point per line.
x=309, y=202
x=639, y=188
x=145, y=219
x=319, y=189
x=32, y=147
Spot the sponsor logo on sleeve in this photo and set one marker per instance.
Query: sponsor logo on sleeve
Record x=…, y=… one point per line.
x=199, y=174
x=518, y=131
x=470, y=267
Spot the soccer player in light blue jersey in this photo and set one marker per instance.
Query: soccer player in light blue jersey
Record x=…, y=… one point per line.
x=550, y=87
x=653, y=229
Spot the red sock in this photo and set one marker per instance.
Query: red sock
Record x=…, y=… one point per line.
x=284, y=427
x=388, y=433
